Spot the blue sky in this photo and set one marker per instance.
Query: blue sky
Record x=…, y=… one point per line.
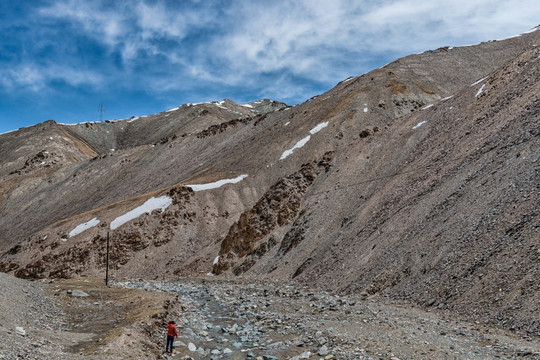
x=60, y=59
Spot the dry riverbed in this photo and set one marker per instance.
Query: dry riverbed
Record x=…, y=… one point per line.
x=232, y=319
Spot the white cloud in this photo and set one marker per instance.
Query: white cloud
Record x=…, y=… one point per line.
x=109, y=26
x=36, y=77
x=281, y=48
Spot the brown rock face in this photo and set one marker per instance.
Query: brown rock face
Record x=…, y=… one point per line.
x=278, y=207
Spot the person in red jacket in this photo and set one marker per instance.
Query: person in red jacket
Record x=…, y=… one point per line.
x=171, y=334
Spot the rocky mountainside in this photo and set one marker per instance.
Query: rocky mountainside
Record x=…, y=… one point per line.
x=418, y=181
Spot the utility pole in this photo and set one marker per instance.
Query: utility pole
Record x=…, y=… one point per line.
x=101, y=112
x=107, y=263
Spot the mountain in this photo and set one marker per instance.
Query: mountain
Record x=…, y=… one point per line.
x=417, y=181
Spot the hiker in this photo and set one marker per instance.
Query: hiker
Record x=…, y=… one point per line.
x=171, y=334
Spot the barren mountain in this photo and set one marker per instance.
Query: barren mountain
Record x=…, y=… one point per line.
x=418, y=181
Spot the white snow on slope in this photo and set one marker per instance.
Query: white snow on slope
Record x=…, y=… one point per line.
x=518, y=35
x=248, y=106
x=173, y=109
x=419, y=124
x=150, y=205
x=217, y=184
x=446, y=98
x=220, y=104
x=427, y=107
x=479, y=81
x=298, y=145
x=318, y=128
x=83, y=227
x=480, y=90
x=216, y=260
x=303, y=142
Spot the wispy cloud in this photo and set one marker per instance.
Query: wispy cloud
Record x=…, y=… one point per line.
x=233, y=42
x=38, y=77
x=288, y=50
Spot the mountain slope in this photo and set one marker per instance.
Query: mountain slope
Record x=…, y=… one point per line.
x=413, y=181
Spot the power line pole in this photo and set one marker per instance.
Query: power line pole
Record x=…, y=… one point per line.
x=107, y=263
x=100, y=112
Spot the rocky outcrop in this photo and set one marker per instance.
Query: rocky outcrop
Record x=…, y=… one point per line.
x=248, y=238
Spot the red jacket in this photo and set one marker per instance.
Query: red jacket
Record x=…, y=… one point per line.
x=171, y=330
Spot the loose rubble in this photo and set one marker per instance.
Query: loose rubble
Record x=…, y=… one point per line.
x=233, y=319
x=268, y=321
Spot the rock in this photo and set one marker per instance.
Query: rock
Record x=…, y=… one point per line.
x=269, y=357
x=323, y=351
x=304, y=355
x=78, y=293
x=227, y=351
x=19, y=330
x=192, y=347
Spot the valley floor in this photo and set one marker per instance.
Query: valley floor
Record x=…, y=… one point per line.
x=233, y=319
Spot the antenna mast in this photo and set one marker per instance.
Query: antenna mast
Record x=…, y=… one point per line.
x=101, y=112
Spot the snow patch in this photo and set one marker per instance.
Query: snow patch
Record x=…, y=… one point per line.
x=303, y=142
x=287, y=123
x=427, y=107
x=318, y=128
x=173, y=109
x=365, y=109
x=133, y=119
x=83, y=227
x=419, y=124
x=216, y=260
x=480, y=90
x=479, y=81
x=298, y=145
x=446, y=98
x=217, y=184
x=248, y=106
x=518, y=35
x=150, y=205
